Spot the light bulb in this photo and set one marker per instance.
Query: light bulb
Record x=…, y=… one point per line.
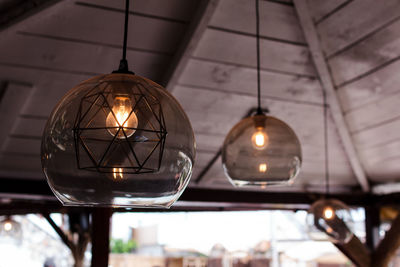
x=328, y=213
x=118, y=173
x=122, y=118
x=262, y=167
x=8, y=226
x=259, y=139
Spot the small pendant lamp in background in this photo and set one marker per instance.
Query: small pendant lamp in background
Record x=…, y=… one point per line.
x=10, y=231
x=327, y=218
x=261, y=150
x=118, y=140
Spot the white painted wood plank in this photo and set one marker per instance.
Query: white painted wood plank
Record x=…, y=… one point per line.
x=214, y=174
x=22, y=146
x=28, y=126
x=202, y=159
x=380, y=112
x=49, y=87
x=378, y=85
x=313, y=173
x=77, y=57
x=276, y=20
x=241, y=50
x=379, y=155
x=215, y=113
x=46, y=11
x=107, y=27
x=367, y=55
x=21, y=166
x=320, y=9
x=12, y=102
x=209, y=142
x=237, y=79
x=313, y=41
x=384, y=172
x=356, y=20
x=172, y=9
x=377, y=136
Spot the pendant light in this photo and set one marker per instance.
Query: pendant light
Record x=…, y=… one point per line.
x=261, y=150
x=10, y=231
x=118, y=140
x=328, y=218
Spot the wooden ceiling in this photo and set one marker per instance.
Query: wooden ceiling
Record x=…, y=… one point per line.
x=204, y=52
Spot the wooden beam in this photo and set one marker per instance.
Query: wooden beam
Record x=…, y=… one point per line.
x=78, y=247
x=194, y=33
x=372, y=223
x=100, y=236
x=388, y=247
x=29, y=189
x=60, y=232
x=356, y=252
x=320, y=63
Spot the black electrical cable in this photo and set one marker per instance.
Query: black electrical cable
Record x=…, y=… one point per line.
x=325, y=107
x=259, y=110
x=125, y=29
x=123, y=64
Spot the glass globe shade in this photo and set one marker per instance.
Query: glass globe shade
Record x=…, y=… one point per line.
x=329, y=219
x=118, y=140
x=259, y=151
x=10, y=231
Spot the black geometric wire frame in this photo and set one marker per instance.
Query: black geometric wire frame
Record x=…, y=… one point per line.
x=98, y=150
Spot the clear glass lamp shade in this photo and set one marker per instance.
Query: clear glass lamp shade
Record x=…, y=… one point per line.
x=260, y=151
x=10, y=231
x=118, y=140
x=329, y=219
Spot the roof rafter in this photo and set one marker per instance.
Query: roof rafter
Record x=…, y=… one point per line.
x=19, y=14
x=320, y=63
x=196, y=29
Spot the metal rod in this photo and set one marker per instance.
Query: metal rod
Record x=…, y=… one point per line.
x=259, y=111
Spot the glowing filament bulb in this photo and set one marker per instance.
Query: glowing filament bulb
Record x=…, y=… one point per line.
x=259, y=139
x=262, y=167
x=8, y=226
x=122, y=120
x=328, y=213
x=118, y=174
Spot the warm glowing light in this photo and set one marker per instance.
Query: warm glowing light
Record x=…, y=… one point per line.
x=259, y=139
x=118, y=173
x=328, y=213
x=262, y=167
x=8, y=226
x=122, y=119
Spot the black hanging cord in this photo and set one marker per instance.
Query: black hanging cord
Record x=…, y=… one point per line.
x=259, y=110
x=123, y=64
x=125, y=29
x=325, y=107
